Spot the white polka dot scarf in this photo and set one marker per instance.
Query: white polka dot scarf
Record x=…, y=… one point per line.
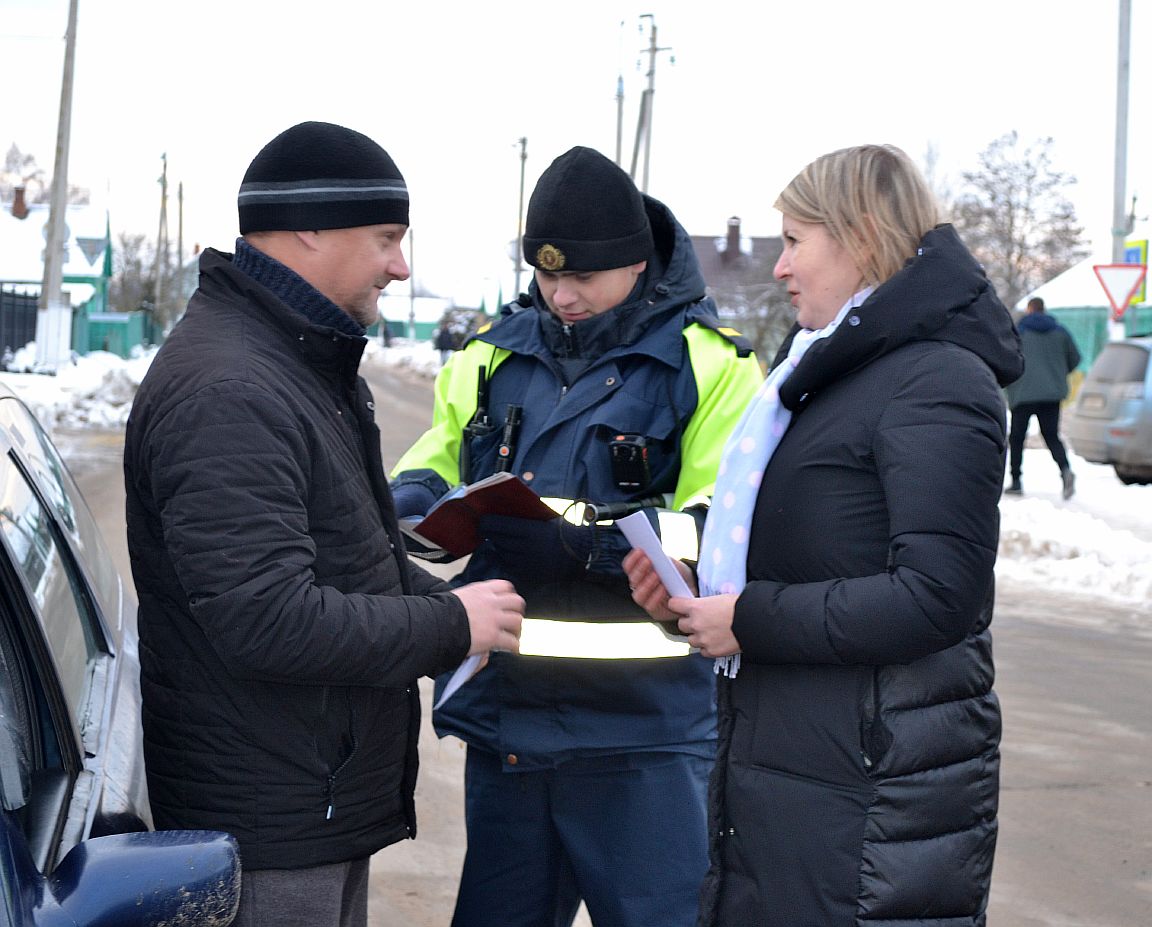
x=724, y=546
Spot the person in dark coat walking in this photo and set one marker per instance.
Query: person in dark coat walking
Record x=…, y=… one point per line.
x=445, y=341
x=1050, y=354
x=282, y=629
x=846, y=573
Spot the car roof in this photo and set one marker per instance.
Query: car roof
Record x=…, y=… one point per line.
x=1137, y=341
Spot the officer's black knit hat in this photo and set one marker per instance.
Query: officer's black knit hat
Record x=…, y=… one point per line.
x=586, y=215
x=321, y=176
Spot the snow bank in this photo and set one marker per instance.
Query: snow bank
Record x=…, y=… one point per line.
x=96, y=390
x=1058, y=548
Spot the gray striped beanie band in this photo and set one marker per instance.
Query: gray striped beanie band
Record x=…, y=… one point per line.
x=317, y=175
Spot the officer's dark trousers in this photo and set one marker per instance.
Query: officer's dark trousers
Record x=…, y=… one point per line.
x=625, y=833
x=1048, y=416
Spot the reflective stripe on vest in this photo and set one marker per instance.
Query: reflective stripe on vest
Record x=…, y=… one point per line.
x=613, y=640
x=678, y=535
x=595, y=640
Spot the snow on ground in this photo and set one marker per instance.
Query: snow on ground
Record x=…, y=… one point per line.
x=96, y=390
x=1097, y=544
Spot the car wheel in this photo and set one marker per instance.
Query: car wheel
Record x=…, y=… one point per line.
x=1130, y=477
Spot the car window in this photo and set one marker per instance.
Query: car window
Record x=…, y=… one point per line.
x=1120, y=363
x=52, y=478
x=39, y=769
x=17, y=737
x=54, y=590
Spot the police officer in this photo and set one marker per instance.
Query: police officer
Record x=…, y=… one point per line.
x=610, y=382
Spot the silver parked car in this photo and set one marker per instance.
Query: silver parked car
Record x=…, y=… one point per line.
x=76, y=846
x=1111, y=420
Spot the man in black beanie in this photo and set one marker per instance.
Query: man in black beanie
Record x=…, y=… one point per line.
x=282, y=629
x=611, y=382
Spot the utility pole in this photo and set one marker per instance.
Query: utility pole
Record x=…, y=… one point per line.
x=160, y=265
x=520, y=218
x=619, y=120
x=411, y=285
x=620, y=103
x=54, y=316
x=180, y=231
x=1120, y=228
x=644, y=121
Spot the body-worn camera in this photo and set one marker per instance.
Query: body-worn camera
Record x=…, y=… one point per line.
x=629, y=454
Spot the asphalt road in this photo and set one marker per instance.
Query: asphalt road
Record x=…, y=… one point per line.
x=1075, y=844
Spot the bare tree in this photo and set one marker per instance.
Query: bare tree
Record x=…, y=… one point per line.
x=132, y=287
x=21, y=170
x=1015, y=217
x=759, y=307
x=938, y=182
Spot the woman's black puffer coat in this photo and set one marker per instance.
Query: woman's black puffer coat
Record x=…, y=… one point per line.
x=281, y=636
x=858, y=770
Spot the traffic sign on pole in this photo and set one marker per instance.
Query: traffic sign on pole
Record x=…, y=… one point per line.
x=1120, y=282
x=1136, y=252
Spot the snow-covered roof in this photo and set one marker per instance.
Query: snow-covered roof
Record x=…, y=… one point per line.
x=22, y=243
x=1079, y=285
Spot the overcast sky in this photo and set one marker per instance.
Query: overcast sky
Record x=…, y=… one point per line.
x=755, y=91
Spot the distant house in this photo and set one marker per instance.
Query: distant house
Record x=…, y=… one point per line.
x=737, y=268
x=87, y=271
x=738, y=273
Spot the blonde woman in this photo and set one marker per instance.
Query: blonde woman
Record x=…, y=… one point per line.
x=846, y=573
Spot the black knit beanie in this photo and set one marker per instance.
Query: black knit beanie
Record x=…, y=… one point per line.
x=321, y=176
x=586, y=215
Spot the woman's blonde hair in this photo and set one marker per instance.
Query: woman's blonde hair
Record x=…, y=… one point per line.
x=873, y=200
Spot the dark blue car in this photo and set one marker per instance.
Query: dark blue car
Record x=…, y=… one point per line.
x=76, y=845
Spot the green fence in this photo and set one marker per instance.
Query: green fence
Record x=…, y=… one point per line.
x=117, y=332
x=1088, y=325
x=1138, y=320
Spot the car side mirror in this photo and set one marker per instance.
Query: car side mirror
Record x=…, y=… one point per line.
x=148, y=879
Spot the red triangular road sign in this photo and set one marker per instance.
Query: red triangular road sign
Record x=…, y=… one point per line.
x=1120, y=282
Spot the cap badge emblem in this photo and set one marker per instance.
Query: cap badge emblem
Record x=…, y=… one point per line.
x=549, y=257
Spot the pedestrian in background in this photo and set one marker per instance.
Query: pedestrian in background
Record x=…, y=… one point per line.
x=1050, y=355
x=847, y=579
x=444, y=340
x=282, y=629
x=613, y=381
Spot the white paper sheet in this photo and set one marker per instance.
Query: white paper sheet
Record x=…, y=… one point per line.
x=463, y=673
x=638, y=530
